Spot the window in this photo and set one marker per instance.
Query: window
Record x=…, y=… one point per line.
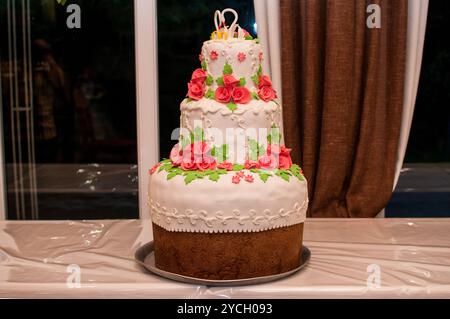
x=69, y=109
x=423, y=189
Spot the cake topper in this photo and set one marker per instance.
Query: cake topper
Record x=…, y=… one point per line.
x=224, y=32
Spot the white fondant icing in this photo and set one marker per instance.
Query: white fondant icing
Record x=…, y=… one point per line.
x=210, y=207
x=209, y=113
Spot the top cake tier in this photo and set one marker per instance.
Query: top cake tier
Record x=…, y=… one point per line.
x=242, y=56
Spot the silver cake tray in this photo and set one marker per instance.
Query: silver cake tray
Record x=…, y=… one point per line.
x=145, y=256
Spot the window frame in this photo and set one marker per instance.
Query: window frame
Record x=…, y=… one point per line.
x=146, y=51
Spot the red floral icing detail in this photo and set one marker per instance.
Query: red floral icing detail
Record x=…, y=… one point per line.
x=241, y=95
x=268, y=161
x=282, y=153
x=200, y=57
x=260, y=56
x=188, y=166
x=198, y=76
x=196, y=90
x=208, y=163
x=264, y=80
x=222, y=94
x=251, y=164
x=285, y=161
x=176, y=155
x=213, y=55
x=265, y=89
x=225, y=165
x=154, y=168
x=249, y=178
x=267, y=93
x=193, y=156
x=241, y=56
x=230, y=81
x=236, y=179
x=240, y=174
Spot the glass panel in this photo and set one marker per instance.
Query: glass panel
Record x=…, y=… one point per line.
x=423, y=189
x=181, y=31
x=69, y=108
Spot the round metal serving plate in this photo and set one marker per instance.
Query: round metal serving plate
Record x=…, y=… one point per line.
x=145, y=256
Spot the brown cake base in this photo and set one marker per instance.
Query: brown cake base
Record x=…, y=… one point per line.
x=228, y=255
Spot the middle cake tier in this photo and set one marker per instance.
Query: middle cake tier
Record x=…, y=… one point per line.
x=241, y=129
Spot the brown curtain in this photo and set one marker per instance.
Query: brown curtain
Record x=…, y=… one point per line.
x=342, y=100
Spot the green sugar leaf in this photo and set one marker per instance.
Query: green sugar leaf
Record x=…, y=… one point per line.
x=255, y=79
x=242, y=81
x=259, y=73
x=227, y=69
x=238, y=167
x=214, y=176
x=248, y=37
x=283, y=174
x=209, y=80
x=204, y=65
x=264, y=176
x=209, y=94
x=219, y=81
x=190, y=176
x=255, y=95
x=172, y=175
x=232, y=106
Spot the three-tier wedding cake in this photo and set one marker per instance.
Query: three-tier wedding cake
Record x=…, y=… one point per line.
x=228, y=203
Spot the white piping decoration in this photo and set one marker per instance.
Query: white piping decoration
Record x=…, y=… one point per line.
x=234, y=221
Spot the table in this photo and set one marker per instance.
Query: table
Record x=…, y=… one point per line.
x=41, y=259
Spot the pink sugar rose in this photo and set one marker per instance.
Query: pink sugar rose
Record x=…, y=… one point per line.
x=225, y=165
x=240, y=174
x=264, y=80
x=285, y=161
x=198, y=76
x=213, y=55
x=249, y=164
x=249, y=178
x=188, y=166
x=200, y=57
x=236, y=179
x=282, y=153
x=196, y=90
x=176, y=155
x=241, y=95
x=230, y=81
x=267, y=93
x=241, y=56
x=196, y=151
x=223, y=94
x=208, y=162
x=268, y=161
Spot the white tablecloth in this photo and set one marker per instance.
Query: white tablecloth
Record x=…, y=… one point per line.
x=412, y=257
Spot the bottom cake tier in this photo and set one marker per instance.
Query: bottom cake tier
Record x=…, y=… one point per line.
x=221, y=256
x=240, y=224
